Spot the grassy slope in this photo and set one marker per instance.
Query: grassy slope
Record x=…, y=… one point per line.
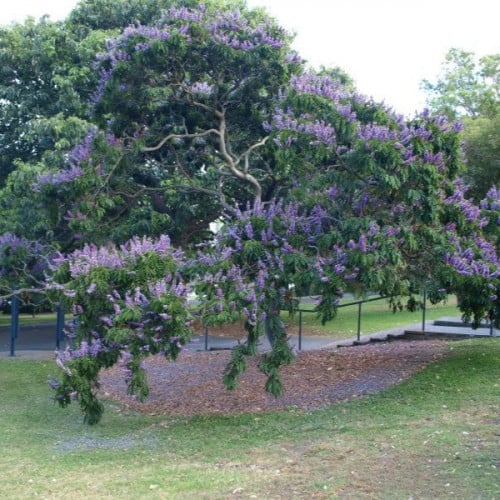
x=434, y=436
x=375, y=316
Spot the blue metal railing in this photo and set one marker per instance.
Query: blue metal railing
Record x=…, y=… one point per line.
x=14, y=325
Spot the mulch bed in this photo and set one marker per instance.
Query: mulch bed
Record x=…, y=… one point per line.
x=192, y=385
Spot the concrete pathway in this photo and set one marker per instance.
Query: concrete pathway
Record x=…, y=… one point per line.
x=39, y=341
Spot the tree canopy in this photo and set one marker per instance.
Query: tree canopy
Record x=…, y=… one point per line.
x=204, y=114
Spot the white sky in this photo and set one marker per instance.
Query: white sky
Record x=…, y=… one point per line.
x=387, y=46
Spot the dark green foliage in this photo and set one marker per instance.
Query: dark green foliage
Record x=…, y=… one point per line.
x=271, y=362
x=482, y=150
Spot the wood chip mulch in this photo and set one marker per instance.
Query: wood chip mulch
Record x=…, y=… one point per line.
x=192, y=385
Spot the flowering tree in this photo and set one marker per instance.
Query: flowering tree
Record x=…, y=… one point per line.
x=318, y=188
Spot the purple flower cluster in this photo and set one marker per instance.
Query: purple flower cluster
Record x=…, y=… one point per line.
x=235, y=31
x=392, y=231
x=321, y=132
x=90, y=256
x=470, y=210
x=373, y=131
x=185, y=14
x=82, y=261
x=168, y=285
x=459, y=193
x=82, y=151
x=402, y=137
x=492, y=200
x=436, y=159
x=323, y=86
x=294, y=58
x=362, y=244
x=441, y=122
x=12, y=243
x=203, y=89
x=480, y=259
x=85, y=348
x=132, y=32
x=22, y=257
x=78, y=155
x=57, y=178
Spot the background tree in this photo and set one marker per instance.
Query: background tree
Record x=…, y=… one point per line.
x=46, y=75
x=467, y=86
x=35, y=94
x=469, y=89
x=482, y=150
x=46, y=80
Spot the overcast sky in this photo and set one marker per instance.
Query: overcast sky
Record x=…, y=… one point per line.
x=387, y=46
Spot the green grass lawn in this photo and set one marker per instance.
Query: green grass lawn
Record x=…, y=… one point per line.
x=433, y=436
x=26, y=319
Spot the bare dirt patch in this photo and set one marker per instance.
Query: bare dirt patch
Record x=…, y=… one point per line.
x=193, y=384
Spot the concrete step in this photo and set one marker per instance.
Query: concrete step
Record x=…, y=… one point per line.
x=442, y=333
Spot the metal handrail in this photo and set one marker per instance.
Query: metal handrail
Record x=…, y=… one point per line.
x=359, y=303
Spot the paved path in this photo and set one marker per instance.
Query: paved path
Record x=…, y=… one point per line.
x=39, y=341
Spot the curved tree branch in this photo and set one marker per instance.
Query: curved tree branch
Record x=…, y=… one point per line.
x=231, y=162
x=246, y=154
x=179, y=136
